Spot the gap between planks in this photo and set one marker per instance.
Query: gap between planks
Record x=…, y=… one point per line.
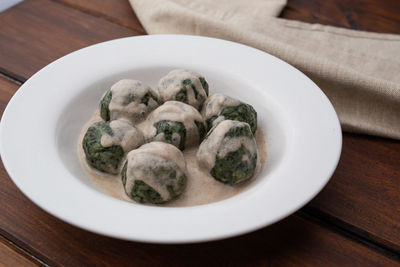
x=25, y=253
x=349, y=231
x=11, y=77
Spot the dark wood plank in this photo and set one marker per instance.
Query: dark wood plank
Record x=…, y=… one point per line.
x=368, y=15
x=36, y=32
x=294, y=241
x=365, y=189
x=116, y=11
x=10, y=256
x=7, y=90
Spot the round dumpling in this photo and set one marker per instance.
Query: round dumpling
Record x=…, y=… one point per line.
x=185, y=86
x=176, y=123
x=219, y=107
x=229, y=152
x=154, y=173
x=105, y=144
x=128, y=100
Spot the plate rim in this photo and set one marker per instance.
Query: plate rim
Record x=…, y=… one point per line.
x=8, y=165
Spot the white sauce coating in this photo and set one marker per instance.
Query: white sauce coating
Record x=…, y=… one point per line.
x=215, y=103
x=171, y=84
x=174, y=111
x=124, y=135
x=201, y=187
x=217, y=144
x=126, y=100
x=150, y=155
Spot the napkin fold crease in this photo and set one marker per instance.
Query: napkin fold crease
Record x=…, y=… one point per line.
x=358, y=71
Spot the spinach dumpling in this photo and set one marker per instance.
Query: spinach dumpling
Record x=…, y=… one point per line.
x=105, y=144
x=229, y=152
x=185, y=86
x=154, y=173
x=219, y=107
x=176, y=123
x=128, y=100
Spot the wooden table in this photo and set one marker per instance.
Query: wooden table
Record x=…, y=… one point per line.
x=355, y=220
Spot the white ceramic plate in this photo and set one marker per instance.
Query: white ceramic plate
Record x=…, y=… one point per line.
x=41, y=124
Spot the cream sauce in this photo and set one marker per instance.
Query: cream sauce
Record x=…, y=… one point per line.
x=126, y=101
x=171, y=84
x=124, y=134
x=174, y=111
x=153, y=154
x=218, y=144
x=215, y=103
x=201, y=187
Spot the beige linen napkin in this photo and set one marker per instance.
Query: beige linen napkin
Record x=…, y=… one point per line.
x=358, y=71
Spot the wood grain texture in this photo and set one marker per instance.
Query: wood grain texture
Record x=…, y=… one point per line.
x=7, y=90
x=116, y=11
x=36, y=32
x=365, y=189
x=363, y=194
x=9, y=256
x=294, y=241
x=367, y=15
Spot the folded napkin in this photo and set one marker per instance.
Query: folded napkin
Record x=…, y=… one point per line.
x=358, y=71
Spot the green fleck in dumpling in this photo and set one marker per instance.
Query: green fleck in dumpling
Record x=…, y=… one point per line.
x=176, y=123
x=219, y=107
x=154, y=173
x=173, y=132
x=229, y=152
x=185, y=86
x=105, y=144
x=128, y=100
